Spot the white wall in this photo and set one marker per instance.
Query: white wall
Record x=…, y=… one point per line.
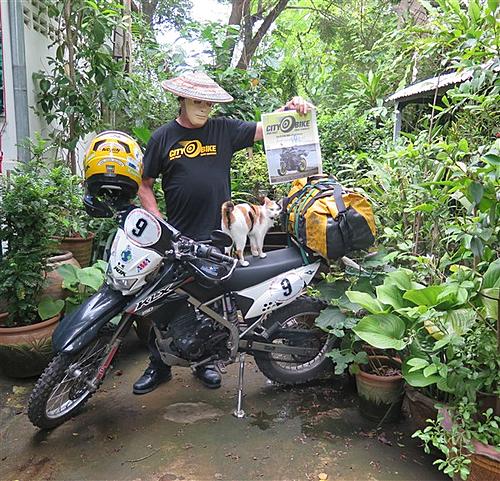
x=36, y=52
x=8, y=135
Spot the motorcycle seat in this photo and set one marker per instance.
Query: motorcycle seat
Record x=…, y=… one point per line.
x=259, y=270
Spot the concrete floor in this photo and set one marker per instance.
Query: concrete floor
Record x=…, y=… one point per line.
x=183, y=431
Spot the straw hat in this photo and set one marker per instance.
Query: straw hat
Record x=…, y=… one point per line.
x=198, y=86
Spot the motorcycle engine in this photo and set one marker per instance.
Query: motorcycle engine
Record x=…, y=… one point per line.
x=196, y=336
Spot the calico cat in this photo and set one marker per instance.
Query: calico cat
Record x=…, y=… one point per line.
x=242, y=220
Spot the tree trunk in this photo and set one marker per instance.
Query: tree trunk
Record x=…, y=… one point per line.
x=235, y=18
x=251, y=43
x=148, y=9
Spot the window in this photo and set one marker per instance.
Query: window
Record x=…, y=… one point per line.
x=36, y=17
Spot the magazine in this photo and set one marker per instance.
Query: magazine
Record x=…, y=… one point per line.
x=292, y=145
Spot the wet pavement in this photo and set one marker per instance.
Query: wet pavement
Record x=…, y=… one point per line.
x=182, y=431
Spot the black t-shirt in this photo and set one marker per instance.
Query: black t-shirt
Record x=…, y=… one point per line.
x=195, y=169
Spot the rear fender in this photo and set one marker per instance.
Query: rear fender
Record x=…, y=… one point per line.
x=81, y=326
x=276, y=292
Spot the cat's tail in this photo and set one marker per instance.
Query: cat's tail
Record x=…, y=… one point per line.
x=227, y=214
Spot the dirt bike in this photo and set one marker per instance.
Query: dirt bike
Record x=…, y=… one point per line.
x=292, y=158
x=260, y=310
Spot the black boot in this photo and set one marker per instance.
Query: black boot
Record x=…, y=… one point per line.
x=153, y=376
x=208, y=376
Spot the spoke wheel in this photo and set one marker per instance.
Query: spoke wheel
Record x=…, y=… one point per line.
x=291, y=368
x=65, y=385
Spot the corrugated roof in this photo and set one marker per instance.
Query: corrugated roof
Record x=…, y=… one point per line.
x=440, y=82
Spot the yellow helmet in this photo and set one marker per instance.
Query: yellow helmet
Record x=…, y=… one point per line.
x=112, y=165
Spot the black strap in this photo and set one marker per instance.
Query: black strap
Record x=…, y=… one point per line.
x=337, y=195
x=287, y=200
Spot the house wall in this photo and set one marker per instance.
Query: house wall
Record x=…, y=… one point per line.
x=8, y=122
x=37, y=41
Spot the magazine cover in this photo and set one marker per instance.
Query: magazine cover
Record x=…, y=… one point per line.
x=292, y=145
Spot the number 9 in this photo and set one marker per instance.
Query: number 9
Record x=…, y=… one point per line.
x=140, y=226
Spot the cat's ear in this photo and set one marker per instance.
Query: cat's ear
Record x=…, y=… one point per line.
x=262, y=199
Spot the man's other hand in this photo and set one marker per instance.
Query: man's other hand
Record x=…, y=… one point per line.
x=301, y=105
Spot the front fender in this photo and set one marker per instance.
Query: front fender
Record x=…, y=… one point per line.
x=78, y=328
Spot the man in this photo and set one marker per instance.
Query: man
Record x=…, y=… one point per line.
x=193, y=155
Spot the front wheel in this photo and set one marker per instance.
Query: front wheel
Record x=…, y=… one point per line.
x=65, y=385
x=302, y=164
x=293, y=369
x=283, y=168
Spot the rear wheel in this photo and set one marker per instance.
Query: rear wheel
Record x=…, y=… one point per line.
x=293, y=369
x=64, y=387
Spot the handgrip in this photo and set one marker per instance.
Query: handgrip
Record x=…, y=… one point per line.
x=205, y=251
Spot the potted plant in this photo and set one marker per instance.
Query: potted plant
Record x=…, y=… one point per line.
x=26, y=225
x=72, y=231
x=467, y=430
x=377, y=371
x=447, y=336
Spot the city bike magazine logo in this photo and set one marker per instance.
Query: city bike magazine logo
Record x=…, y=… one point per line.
x=287, y=124
x=191, y=149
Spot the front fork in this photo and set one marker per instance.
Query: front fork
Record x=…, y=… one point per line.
x=112, y=348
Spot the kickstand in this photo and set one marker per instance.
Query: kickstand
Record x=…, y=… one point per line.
x=239, y=413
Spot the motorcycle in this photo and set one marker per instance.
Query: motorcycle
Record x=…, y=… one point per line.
x=260, y=310
x=292, y=158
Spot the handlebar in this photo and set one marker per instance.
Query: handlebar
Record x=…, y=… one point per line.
x=207, y=252
x=188, y=249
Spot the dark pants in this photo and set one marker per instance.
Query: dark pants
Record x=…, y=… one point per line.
x=169, y=312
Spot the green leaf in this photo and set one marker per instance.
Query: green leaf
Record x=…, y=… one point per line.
x=417, y=378
x=476, y=246
x=329, y=317
x=44, y=85
x=428, y=296
x=365, y=301
x=444, y=341
x=491, y=277
x=492, y=159
x=493, y=4
x=491, y=298
x=383, y=331
x=459, y=321
x=476, y=191
x=48, y=308
x=142, y=133
x=390, y=295
x=91, y=277
x=68, y=273
x=402, y=279
x=474, y=11
x=332, y=290
x=430, y=370
x=423, y=208
x=417, y=362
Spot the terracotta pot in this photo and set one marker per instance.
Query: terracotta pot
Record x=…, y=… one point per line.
x=380, y=397
x=53, y=280
x=79, y=247
x=485, y=463
x=420, y=407
x=25, y=351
